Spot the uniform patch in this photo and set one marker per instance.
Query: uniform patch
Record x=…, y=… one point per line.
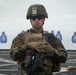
x=34, y=10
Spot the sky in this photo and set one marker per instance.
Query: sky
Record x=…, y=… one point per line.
x=61, y=17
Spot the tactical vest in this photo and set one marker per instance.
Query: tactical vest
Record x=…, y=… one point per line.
x=36, y=37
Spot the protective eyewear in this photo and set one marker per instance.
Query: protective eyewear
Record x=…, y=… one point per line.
x=37, y=17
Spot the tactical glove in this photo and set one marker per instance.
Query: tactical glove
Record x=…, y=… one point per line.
x=41, y=46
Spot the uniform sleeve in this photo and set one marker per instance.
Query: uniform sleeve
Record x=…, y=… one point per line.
x=16, y=45
x=60, y=53
x=59, y=50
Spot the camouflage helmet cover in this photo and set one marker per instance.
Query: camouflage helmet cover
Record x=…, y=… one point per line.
x=36, y=9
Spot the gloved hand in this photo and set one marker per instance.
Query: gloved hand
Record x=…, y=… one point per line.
x=41, y=46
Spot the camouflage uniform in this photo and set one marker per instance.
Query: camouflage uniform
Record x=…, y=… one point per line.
x=35, y=40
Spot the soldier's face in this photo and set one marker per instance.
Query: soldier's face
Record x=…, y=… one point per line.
x=37, y=22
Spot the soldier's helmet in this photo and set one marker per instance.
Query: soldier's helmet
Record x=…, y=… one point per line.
x=36, y=9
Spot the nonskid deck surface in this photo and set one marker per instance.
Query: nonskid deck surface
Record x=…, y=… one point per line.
x=9, y=67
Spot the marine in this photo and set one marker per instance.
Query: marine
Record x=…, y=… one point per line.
x=36, y=44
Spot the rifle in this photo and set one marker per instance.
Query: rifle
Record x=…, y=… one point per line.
x=37, y=62
x=31, y=54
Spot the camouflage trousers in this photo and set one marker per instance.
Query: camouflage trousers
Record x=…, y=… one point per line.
x=23, y=72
